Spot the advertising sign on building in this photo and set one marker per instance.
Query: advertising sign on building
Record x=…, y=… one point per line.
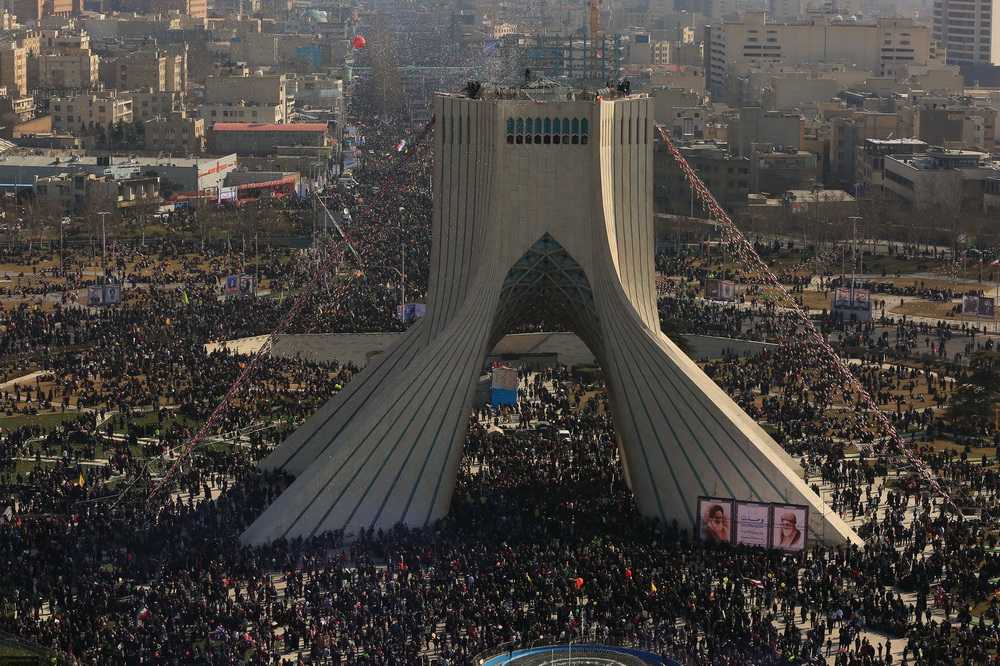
x=762, y=524
x=789, y=524
x=715, y=519
x=753, y=522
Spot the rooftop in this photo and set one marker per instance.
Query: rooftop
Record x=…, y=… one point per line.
x=74, y=161
x=897, y=142
x=270, y=127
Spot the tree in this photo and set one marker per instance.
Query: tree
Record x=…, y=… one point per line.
x=675, y=328
x=973, y=405
x=41, y=214
x=167, y=186
x=95, y=203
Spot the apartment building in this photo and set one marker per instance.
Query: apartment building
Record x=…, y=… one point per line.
x=885, y=47
x=183, y=136
x=266, y=139
x=148, y=103
x=144, y=69
x=71, y=70
x=13, y=68
x=965, y=29
x=240, y=86
x=240, y=113
x=70, y=113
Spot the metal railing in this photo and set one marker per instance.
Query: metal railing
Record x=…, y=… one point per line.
x=520, y=648
x=42, y=654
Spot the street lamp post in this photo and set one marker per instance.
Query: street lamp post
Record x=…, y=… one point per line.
x=402, y=269
x=402, y=303
x=104, y=244
x=854, y=254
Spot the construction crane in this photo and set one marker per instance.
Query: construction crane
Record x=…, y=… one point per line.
x=594, y=28
x=594, y=22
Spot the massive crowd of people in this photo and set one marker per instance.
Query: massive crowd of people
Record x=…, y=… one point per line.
x=104, y=562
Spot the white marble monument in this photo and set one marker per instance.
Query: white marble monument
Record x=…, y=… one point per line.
x=541, y=204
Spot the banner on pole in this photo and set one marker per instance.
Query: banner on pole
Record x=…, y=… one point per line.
x=246, y=285
x=987, y=307
x=856, y=306
x=112, y=294
x=720, y=290
x=970, y=306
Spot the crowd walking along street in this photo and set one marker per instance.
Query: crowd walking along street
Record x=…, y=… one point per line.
x=301, y=251
x=543, y=542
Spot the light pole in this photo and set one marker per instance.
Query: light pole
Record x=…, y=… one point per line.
x=691, y=185
x=816, y=189
x=402, y=302
x=402, y=268
x=104, y=244
x=854, y=253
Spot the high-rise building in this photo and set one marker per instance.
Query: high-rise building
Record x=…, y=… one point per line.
x=13, y=68
x=965, y=29
x=74, y=69
x=884, y=47
x=542, y=209
x=147, y=68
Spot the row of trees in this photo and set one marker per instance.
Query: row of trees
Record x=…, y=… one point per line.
x=113, y=136
x=944, y=217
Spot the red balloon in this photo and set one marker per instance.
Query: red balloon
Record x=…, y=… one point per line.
x=579, y=583
x=359, y=42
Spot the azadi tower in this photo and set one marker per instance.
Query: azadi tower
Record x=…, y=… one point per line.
x=542, y=203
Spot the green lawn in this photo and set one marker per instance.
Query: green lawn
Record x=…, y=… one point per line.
x=43, y=419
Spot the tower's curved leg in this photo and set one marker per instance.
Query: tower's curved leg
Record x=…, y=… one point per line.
x=397, y=459
x=682, y=437
x=312, y=438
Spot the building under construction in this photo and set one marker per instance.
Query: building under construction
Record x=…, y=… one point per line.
x=574, y=58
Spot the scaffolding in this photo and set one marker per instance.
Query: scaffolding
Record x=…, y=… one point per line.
x=574, y=58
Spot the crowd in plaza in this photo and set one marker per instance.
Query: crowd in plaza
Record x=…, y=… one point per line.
x=105, y=563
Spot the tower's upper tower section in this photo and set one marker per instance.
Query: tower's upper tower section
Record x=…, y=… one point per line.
x=545, y=159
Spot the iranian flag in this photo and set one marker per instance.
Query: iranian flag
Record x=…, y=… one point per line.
x=143, y=612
